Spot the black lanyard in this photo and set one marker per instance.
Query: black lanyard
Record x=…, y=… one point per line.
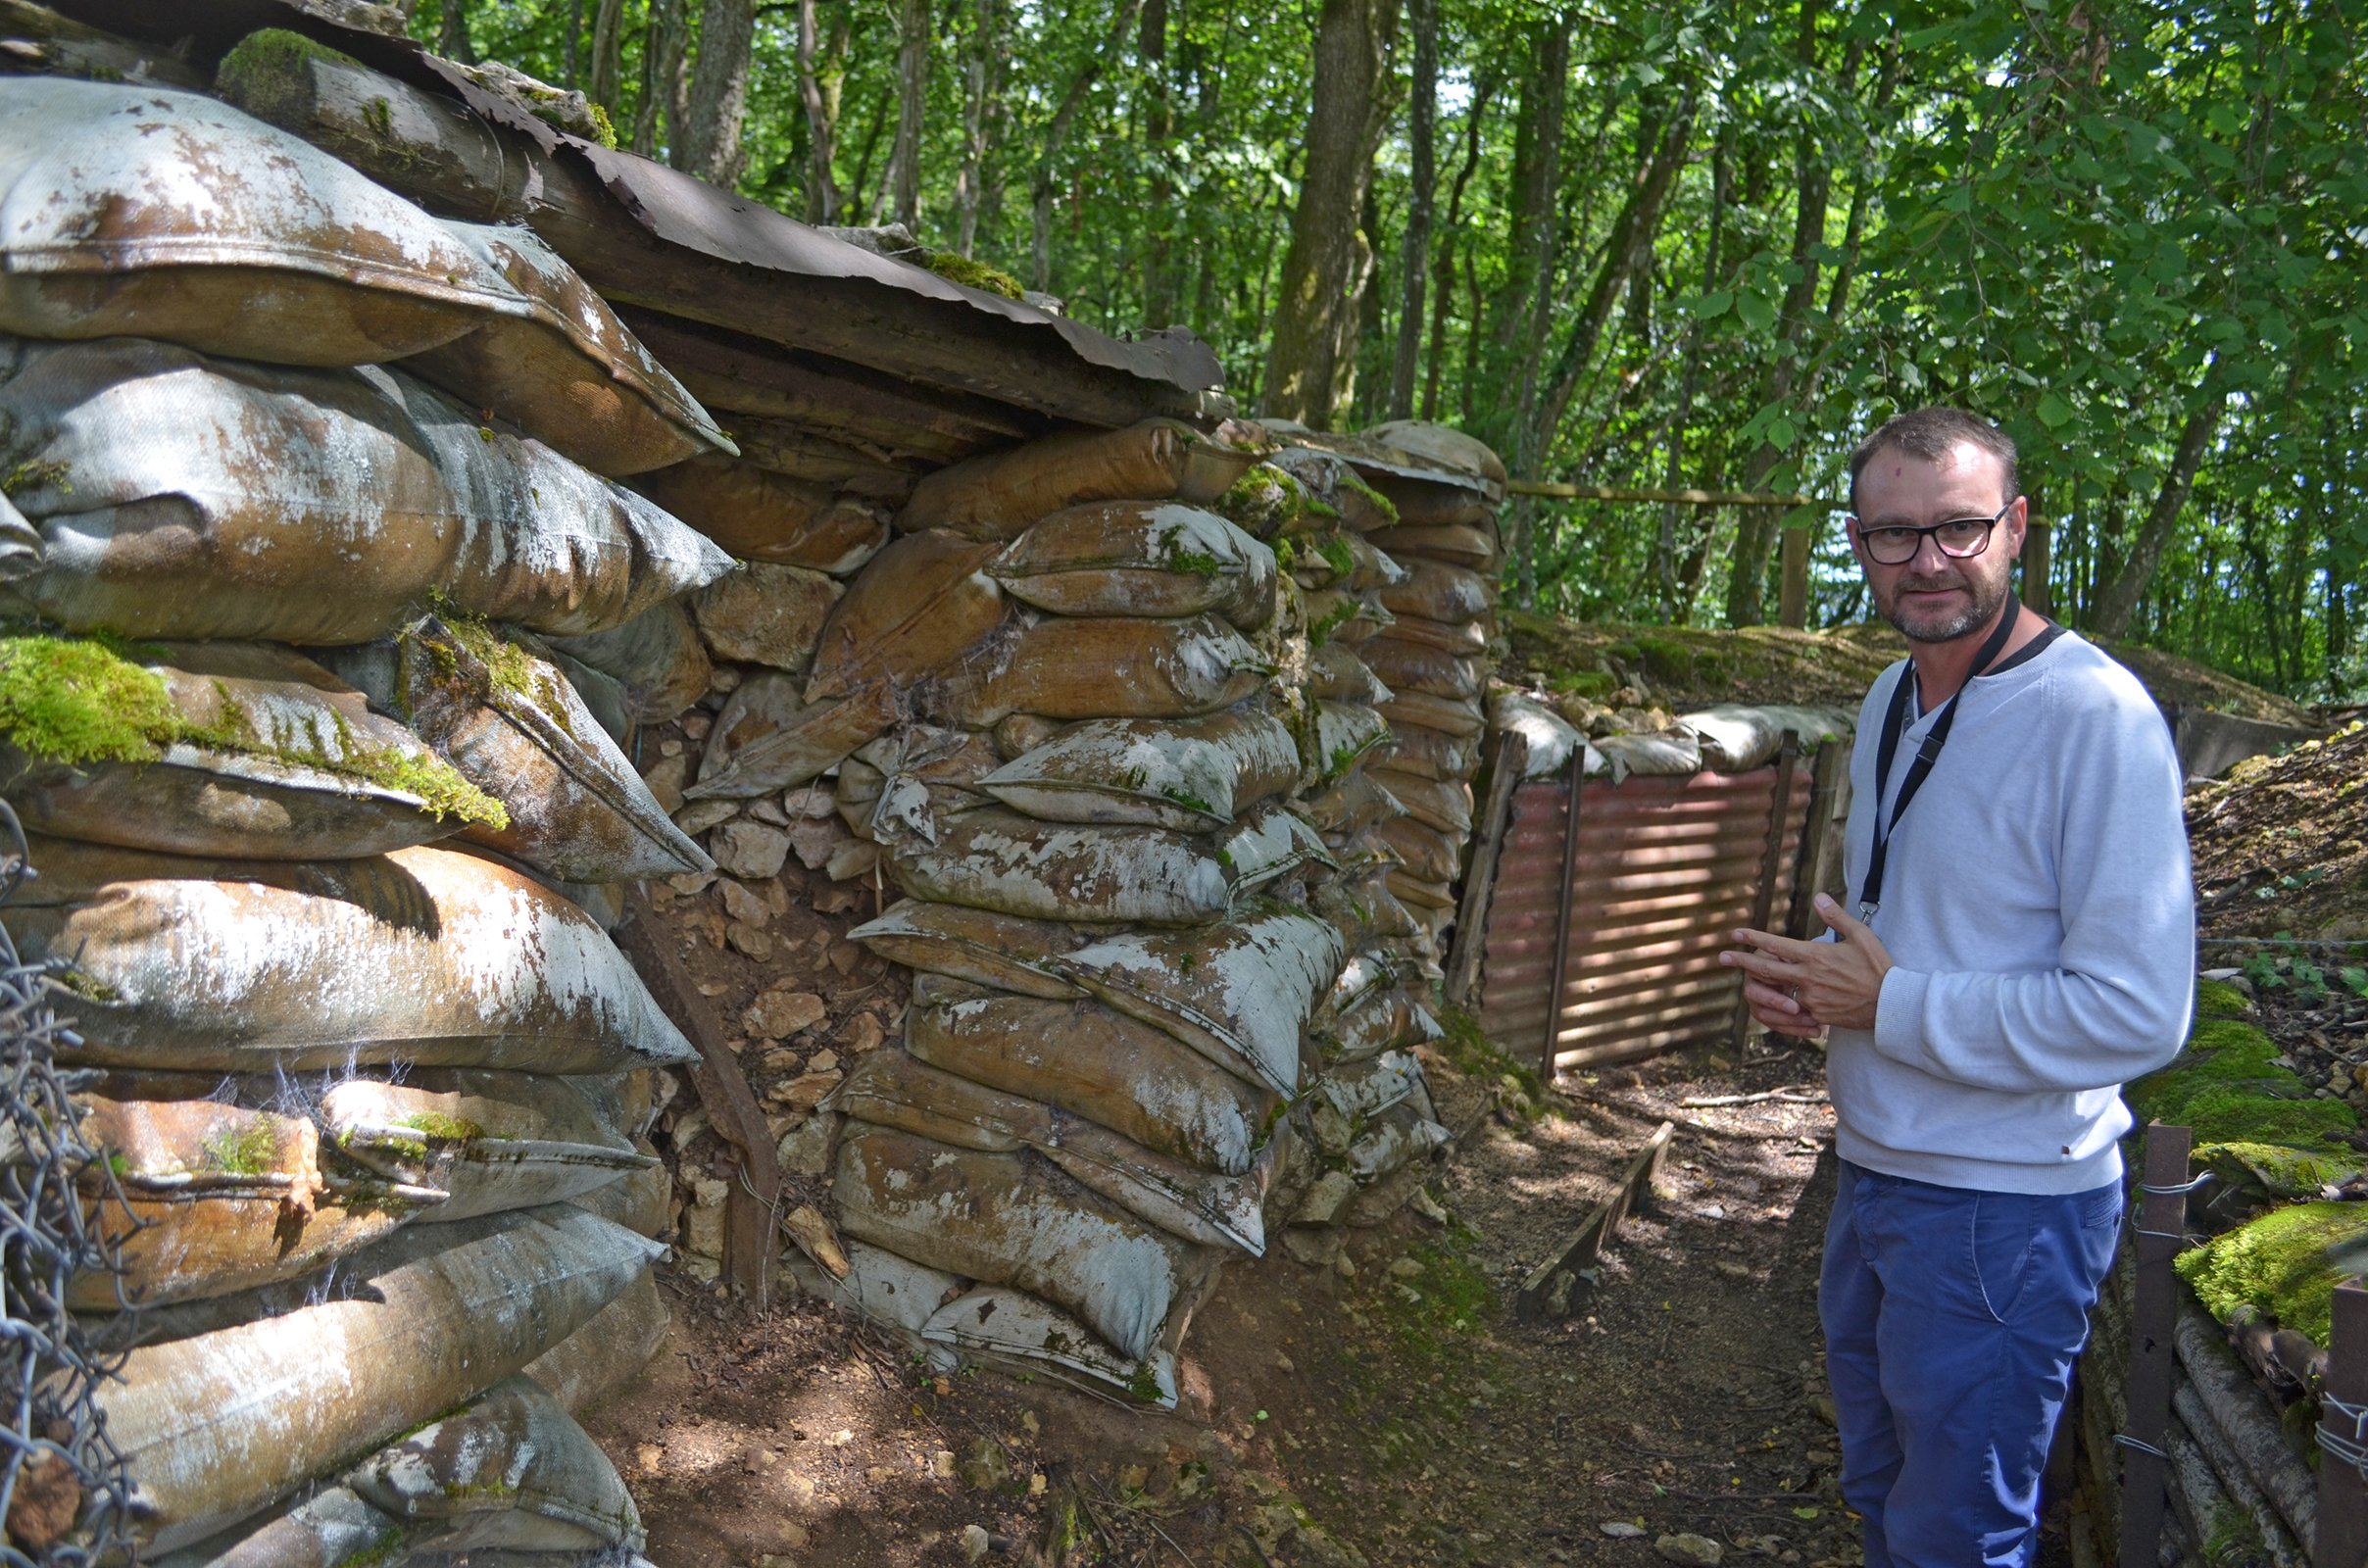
x=1895, y=721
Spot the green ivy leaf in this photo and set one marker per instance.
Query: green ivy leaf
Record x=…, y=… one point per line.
x=2053, y=412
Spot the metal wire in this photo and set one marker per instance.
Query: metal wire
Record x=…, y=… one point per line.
x=63, y=1218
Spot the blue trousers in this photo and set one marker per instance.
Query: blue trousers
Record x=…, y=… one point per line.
x=1953, y=1318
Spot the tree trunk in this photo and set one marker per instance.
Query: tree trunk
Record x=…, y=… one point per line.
x=1319, y=266
x=1533, y=224
x=1422, y=115
x=452, y=33
x=978, y=96
x=661, y=49
x=1158, y=263
x=574, y=59
x=606, y=85
x=1056, y=135
x=1443, y=269
x=2117, y=603
x=1689, y=380
x=911, y=103
x=821, y=121
x=709, y=142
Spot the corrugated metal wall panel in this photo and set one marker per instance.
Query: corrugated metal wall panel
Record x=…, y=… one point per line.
x=1667, y=868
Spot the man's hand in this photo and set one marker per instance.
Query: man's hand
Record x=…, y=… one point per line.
x=1800, y=988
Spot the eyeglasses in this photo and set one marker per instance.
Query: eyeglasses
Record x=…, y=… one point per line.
x=1959, y=538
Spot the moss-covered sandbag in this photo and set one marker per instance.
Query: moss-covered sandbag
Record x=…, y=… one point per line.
x=1130, y=559
x=174, y=495
x=1270, y=843
x=424, y=955
x=996, y=496
x=1267, y=502
x=1345, y=616
x=488, y=1141
x=229, y=748
x=980, y=946
x=1189, y=774
x=219, y=1425
x=761, y=515
x=1340, y=738
x=2286, y=1263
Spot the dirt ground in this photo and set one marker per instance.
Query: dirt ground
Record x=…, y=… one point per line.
x=2281, y=845
x=1380, y=1408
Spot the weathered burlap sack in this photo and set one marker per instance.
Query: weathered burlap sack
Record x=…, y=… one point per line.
x=130, y=210
x=1736, y=737
x=1444, y=806
x=1461, y=718
x=1422, y=892
x=222, y=1199
x=1190, y=774
x=1663, y=754
x=1132, y=559
x=1433, y=502
x=178, y=496
x=1409, y=667
x=219, y=1425
x=1456, y=544
x=1362, y=909
x=1344, y=559
x=657, y=657
x=1014, y=1330
x=1468, y=638
x=1267, y=502
x=1429, y=856
x=331, y=1525
x=1436, y=591
x=761, y=515
x=1237, y=992
x=996, y=496
x=508, y=1471
x=1443, y=445
x=598, y=1359
x=1548, y=739
x=1393, y=1138
x=1379, y=1021
x=641, y=1201
x=424, y=955
x=1352, y=805
x=1270, y=843
x=1337, y=486
x=1097, y=1064
x=770, y=738
x=914, y=612
x=1428, y=753
x=510, y=723
x=1118, y=668
x=953, y=758
x=562, y=367
x=979, y=945
x=1336, y=672
x=1340, y=738
x=1338, y=616
x=232, y=749
x=760, y=614
x=1011, y=1219
x=489, y=1141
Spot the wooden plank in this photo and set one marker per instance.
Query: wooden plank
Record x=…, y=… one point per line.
x=1826, y=777
x=2342, y=1531
x=1479, y=881
x=1684, y=498
x=1553, y=1284
x=2153, y=1321
x=752, y=1240
x=1562, y=895
x=1771, y=861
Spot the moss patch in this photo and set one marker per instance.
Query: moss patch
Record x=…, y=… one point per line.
x=2222, y=1053
x=1265, y=501
x=2218, y=999
x=2286, y=1263
x=438, y=1128
x=263, y=74
x=969, y=273
x=1351, y=484
x=247, y=1151
x=2279, y=1170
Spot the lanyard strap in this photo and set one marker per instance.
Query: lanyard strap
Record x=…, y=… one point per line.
x=1894, y=721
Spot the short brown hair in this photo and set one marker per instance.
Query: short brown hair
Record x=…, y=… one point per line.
x=1932, y=433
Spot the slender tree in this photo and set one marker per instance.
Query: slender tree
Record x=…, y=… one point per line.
x=911, y=104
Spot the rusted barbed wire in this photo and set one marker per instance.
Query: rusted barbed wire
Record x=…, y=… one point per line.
x=63, y=1486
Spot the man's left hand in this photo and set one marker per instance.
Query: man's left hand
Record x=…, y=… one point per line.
x=1821, y=982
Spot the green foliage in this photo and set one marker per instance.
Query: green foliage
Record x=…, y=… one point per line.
x=2286, y=1263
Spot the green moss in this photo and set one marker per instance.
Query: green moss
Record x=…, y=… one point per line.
x=1191, y=562
x=247, y=1151
x=1188, y=801
x=1265, y=501
x=2279, y=1170
x=75, y=983
x=1339, y=615
x=441, y=1129
x=1286, y=555
x=1352, y=484
x=2234, y=1537
x=1338, y=554
x=1468, y=1049
x=2221, y=1054
x=2218, y=999
x=263, y=74
x=385, y=1550
x=969, y=273
x=604, y=127
x=2243, y=1115
x=1144, y=1385
x=510, y=670
x=34, y=474
x=1590, y=683
x=2286, y=1263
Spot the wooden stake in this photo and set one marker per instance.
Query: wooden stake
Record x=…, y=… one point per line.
x=1553, y=1284
x=1771, y=858
x=1506, y=766
x=1825, y=784
x=2342, y=1534
x=2153, y=1316
x=1561, y=947
x=1793, y=597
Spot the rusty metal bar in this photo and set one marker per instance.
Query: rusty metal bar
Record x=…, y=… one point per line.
x=2342, y=1526
x=1561, y=947
x=1825, y=783
x=1479, y=882
x=1763, y=896
x=2153, y=1315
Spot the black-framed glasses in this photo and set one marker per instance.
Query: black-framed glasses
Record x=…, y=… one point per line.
x=1893, y=544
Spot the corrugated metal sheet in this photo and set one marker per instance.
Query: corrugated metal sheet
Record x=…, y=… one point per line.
x=1667, y=868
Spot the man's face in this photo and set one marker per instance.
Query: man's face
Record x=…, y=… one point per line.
x=1937, y=598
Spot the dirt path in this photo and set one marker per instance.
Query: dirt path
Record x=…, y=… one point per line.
x=1386, y=1411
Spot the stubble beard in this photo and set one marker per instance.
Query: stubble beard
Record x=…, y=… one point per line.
x=1988, y=595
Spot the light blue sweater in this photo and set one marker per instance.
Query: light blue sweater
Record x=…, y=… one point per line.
x=2040, y=909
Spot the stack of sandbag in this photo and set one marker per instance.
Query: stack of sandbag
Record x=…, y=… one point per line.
x=307, y=494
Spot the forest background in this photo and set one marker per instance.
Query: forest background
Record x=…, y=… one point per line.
x=1644, y=246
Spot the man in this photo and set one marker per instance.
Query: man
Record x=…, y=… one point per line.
x=2023, y=945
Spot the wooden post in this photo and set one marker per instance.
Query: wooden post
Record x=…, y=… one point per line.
x=1561, y=947
x=2153, y=1322
x=2036, y=558
x=1464, y=958
x=1548, y=1289
x=1825, y=783
x=1771, y=858
x=1793, y=598
x=2342, y=1533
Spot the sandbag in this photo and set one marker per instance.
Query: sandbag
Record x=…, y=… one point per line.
x=996, y=496
x=1118, y=668
x=1350, y=806
x=328, y=1529
x=1269, y=843
x=218, y=1199
x=560, y=367
x=609, y=1351
x=770, y=738
x=602, y=696
x=1362, y=911
x=1336, y=672
x=1432, y=753
x=641, y=1201
x=1267, y=502
x=761, y=515
x=1094, y=1063
x=423, y=955
x=1357, y=503
x=1548, y=739
x=1429, y=671
x=1001, y=951
x=1663, y=754
x=891, y=1089
x=1445, y=805
x=1437, y=591
x=761, y=614
x=1380, y=1021
x=1737, y=737
x=228, y=749
x=1429, y=856
x=1237, y=992
x=1011, y=1219
x=997, y=860
x=1456, y=544
x=219, y=1425
x=1449, y=715
x=657, y=657
x=1395, y=1138
x=512, y=724
x=1130, y=559
x=1420, y=891
x=178, y=496
x=1014, y=1330
x=1339, y=738
x=126, y=210
x=489, y=1141
x=510, y=1470
x=1433, y=501
x=1187, y=774
x=1444, y=445
x=886, y=1286
x=919, y=607
x=1337, y=615
x=1468, y=638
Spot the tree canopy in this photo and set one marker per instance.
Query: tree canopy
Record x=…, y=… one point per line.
x=1644, y=246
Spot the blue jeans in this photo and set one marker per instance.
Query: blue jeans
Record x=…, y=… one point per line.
x=1953, y=1318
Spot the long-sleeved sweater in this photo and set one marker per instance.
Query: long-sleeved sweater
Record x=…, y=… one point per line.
x=2039, y=910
